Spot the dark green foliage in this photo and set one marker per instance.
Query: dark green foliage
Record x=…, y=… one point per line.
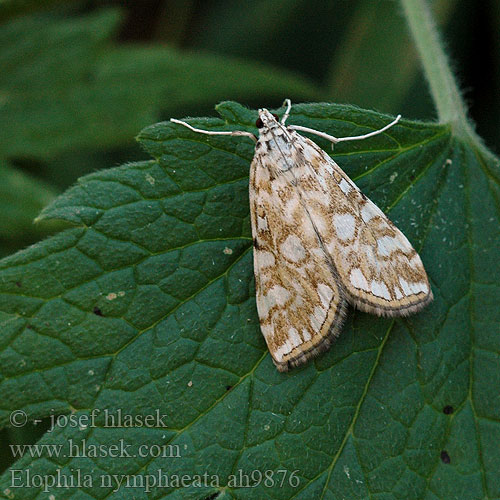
x=162, y=250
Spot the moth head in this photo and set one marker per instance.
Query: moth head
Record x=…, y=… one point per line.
x=267, y=120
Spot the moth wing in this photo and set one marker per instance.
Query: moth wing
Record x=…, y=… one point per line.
x=378, y=267
x=300, y=305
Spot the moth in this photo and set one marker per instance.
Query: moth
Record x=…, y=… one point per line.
x=319, y=243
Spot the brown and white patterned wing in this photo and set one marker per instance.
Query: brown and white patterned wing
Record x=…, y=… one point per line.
x=300, y=305
x=376, y=264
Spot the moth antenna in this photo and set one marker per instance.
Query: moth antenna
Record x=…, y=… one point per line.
x=334, y=140
x=233, y=133
x=288, y=105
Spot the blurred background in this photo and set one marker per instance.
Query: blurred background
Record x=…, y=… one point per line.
x=80, y=79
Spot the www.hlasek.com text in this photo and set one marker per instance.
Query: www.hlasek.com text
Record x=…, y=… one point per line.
x=81, y=448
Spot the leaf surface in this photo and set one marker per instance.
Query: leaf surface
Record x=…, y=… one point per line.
x=22, y=197
x=147, y=305
x=65, y=85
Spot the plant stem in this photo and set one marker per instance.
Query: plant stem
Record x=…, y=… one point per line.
x=444, y=90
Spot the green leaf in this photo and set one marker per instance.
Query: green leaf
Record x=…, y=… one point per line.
x=22, y=197
x=64, y=85
x=148, y=305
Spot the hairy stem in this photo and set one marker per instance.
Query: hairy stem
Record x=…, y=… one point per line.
x=444, y=90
